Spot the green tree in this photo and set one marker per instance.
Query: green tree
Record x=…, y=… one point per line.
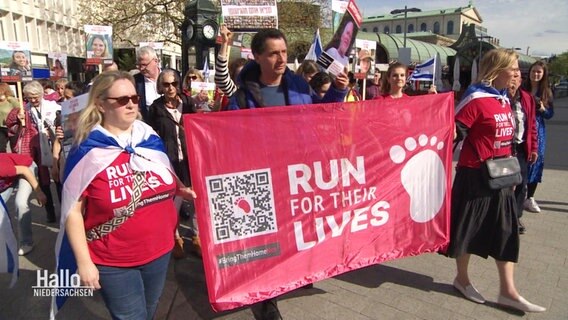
x=559, y=66
x=134, y=21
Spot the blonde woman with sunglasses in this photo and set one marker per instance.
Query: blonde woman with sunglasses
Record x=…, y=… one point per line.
x=118, y=213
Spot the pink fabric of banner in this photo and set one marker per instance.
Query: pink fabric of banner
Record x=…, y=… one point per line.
x=292, y=195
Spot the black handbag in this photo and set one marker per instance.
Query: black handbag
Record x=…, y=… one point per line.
x=502, y=173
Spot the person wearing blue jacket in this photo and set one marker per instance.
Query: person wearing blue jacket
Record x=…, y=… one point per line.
x=268, y=82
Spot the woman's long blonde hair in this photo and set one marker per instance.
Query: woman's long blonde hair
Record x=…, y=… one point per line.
x=493, y=62
x=91, y=116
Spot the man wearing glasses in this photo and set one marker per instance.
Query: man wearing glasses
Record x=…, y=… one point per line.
x=147, y=63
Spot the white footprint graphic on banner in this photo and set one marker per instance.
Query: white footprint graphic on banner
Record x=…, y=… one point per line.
x=423, y=176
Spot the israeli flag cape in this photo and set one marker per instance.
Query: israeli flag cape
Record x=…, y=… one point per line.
x=85, y=161
x=8, y=245
x=481, y=90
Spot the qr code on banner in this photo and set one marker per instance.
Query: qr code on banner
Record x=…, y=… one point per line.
x=241, y=204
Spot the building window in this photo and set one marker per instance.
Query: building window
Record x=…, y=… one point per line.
x=423, y=27
x=410, y=28
x=398, y=29
x=16, y=31
x=436, y=27
x=386, y=30
x=450, y=28
x=376, y=29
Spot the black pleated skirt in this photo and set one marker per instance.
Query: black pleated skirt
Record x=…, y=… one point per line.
x=484, y=221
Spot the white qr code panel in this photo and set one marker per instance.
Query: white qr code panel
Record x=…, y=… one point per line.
x=241, y=204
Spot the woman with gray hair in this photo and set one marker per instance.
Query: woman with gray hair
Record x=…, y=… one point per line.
x=25, y=128
x=165, y=117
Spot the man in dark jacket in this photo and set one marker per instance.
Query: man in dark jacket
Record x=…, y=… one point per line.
x=525, y=143
x=267, y=81
x=145, y=81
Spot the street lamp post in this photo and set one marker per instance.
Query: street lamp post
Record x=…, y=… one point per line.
x=481, y=37
x=406, y=10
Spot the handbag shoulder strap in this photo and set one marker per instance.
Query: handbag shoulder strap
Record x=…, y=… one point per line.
x=121, y=214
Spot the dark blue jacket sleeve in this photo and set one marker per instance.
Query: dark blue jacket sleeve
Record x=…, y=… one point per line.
x=332, y=95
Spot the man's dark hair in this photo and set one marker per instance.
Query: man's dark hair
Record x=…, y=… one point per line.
x=258, y=43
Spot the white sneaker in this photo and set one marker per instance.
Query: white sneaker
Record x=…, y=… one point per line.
x=531, y=205
x=25, y=249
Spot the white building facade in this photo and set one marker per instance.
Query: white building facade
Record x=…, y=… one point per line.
x=54, y=26
x=48, y=25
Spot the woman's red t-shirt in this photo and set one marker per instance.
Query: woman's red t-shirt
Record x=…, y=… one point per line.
x=145, y=236
x=490, y=133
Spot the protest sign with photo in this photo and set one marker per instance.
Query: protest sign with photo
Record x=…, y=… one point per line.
x=285, y=201
x=57, y=65
x=365, y=52
x=70, y=111
x=15, y=61
x=247, y=15
x=336, y=53
x=203, y=94
x=99, y=44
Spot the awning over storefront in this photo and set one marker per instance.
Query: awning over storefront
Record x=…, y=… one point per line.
x=388, y=45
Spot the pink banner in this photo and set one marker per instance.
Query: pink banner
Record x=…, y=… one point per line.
x=292, y=195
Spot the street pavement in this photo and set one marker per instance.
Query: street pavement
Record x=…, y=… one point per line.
x=410, y=288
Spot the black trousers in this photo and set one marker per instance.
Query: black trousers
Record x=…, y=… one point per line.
x=521, y=189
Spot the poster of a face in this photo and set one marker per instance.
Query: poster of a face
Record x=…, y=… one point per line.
x=336, y=53
x=99, y=44
x=15, y=61
x=365, y=52
x=202, y=94
x=57, y=65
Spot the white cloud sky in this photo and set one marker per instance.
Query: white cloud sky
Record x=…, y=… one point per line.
x=541, y=25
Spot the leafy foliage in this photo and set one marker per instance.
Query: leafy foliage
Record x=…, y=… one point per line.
x=559, y=66
x=134, y=21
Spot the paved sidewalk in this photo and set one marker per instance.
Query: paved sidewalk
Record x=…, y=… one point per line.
x=410, y=288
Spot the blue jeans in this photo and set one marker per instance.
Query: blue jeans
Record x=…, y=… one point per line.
x=133, y=293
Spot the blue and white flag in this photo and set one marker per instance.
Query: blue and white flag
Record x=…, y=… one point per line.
x=315, y=49
x=85, y=161
x=206, y=69
x=481, y=90
x=424, y=71
x=8, y=245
